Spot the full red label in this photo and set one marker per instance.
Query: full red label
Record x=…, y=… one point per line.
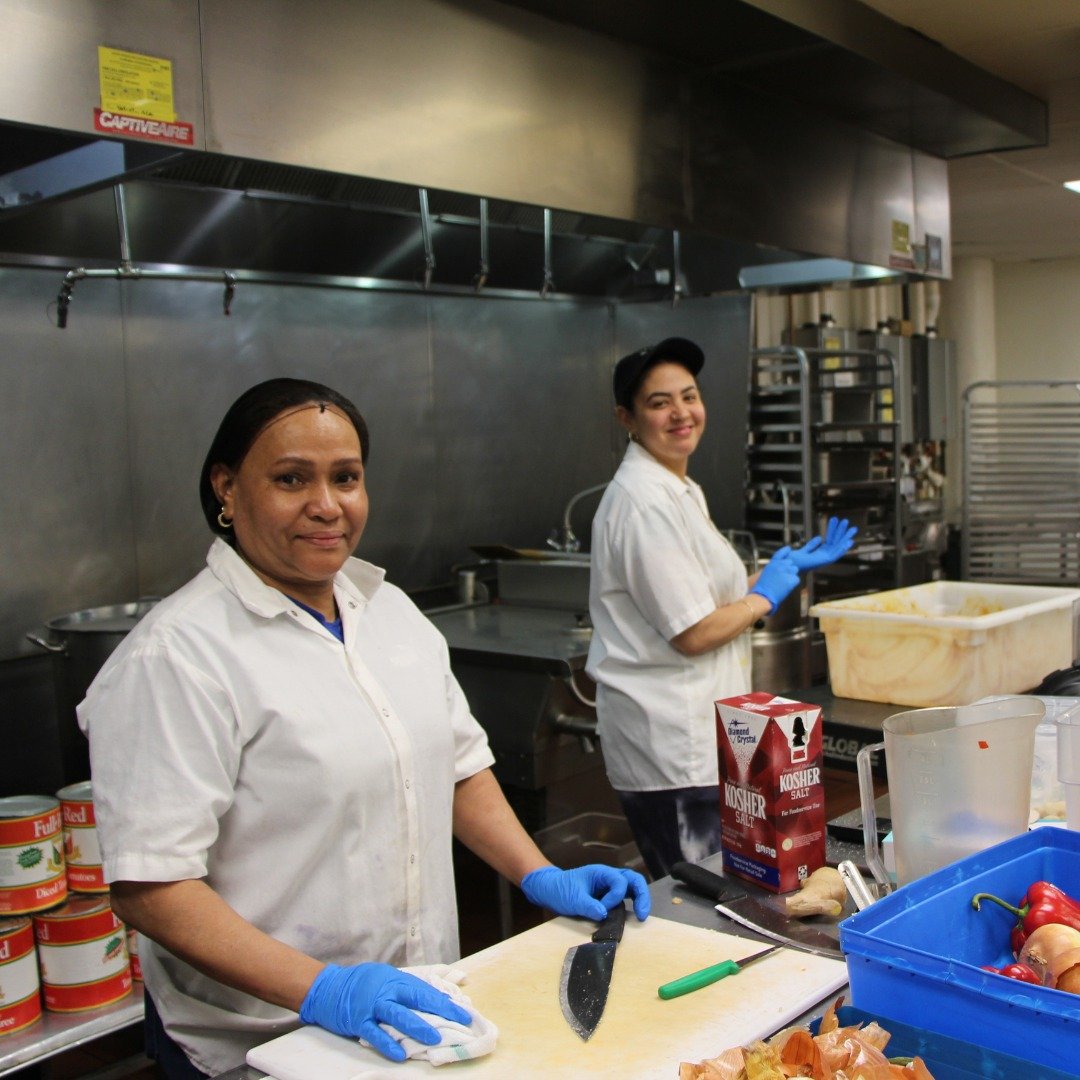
x=772, y=802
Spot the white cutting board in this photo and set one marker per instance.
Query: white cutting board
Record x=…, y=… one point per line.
x=515, y=984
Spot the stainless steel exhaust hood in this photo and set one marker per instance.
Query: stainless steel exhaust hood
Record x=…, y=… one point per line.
x=724, y=123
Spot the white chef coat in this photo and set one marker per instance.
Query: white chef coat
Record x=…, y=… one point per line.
x=658, y=566
x=235, y=739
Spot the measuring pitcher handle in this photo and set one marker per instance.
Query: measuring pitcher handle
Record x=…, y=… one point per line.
x=864, y=762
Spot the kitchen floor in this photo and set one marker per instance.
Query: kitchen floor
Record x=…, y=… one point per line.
x=482, y=909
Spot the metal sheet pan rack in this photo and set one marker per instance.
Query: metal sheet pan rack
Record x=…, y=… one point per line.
x=1021, y=497
x=824, y=439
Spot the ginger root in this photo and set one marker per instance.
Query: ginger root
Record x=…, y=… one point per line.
x=822, y=893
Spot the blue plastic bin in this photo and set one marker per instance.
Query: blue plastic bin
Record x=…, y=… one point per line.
x=946, y=1058
x=916, y=955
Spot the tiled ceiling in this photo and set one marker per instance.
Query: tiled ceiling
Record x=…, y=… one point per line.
x=1012, y=206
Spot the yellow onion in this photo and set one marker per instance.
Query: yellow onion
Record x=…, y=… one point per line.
x=1064, y=970
x=1044, y=945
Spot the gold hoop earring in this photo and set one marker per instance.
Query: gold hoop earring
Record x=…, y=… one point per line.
x=223, y=521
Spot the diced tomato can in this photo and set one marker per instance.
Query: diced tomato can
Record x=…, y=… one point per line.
x=133, y=953
x=20, y=989
x=82, y=855
x=32, y=875
x=82, y=952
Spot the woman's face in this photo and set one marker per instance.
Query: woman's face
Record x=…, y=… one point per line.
x=298, y=503
x=668, y=417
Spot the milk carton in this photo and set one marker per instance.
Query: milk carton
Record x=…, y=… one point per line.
x=772, y=802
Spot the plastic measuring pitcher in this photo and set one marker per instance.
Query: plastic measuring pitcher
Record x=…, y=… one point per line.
x=959, y=782
x=1068, y=735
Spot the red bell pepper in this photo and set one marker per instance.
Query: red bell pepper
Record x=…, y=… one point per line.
x=1017, y=971
x=1042, y=903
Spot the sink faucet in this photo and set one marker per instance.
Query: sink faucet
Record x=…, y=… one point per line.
x=563, y=538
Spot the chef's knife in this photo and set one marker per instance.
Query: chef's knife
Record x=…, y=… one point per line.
x=586, y=974
x=707, y=976
x=754, y=915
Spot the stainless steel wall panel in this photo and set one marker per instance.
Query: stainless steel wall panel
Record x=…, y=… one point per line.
x=187, y=363
x=65, y=507
x=49, y=73
x=523, y=417
x=932, y=217
x=721, y=326
x=544, y=113
x=439, y=93
x=486, y=416
x=786, y=178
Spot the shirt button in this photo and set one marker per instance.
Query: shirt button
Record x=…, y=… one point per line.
x=386, y=712
x=412, y=931
x=352, y=603
x=295, y=614
x=412, y=859
x=408, y=784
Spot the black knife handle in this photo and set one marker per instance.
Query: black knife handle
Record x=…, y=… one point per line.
x=611, y=929
x=703, y=882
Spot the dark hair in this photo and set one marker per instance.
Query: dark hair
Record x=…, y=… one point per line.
x=249, y=414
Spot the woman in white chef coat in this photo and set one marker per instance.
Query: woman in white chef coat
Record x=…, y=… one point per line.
x=670, y=603
x=280, y=757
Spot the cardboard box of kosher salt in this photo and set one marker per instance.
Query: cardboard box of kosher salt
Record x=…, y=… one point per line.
x=772, y=803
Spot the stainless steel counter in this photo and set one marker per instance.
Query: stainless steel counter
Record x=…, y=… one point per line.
x=848, y=725
x=540, y=638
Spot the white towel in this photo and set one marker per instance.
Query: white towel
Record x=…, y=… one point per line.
x=459, y=1042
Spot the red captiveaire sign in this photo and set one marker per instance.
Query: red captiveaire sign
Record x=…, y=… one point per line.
x=111, y=123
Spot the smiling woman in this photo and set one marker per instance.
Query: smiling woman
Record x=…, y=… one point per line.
x=297, y=503
x=670, y=603
x=281, y=757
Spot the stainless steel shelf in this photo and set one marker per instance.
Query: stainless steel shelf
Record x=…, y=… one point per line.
x=818, y=445
x=56, y=1032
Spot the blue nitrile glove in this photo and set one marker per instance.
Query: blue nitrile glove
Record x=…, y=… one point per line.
x=777, y=578
x=354, y=1000
x=590, y=891
x=838, y=540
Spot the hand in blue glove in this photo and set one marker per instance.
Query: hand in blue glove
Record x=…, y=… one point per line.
x=777, y=578
x=838, y=540
x=354, y=1000
x=590, y=891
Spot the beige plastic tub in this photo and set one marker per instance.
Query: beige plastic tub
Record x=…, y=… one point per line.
x=947, y=642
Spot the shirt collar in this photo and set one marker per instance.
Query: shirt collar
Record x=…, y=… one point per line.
x=357, y=580
x=638, y=459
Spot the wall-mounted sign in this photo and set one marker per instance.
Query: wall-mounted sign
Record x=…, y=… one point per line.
x=901, y=255
x=137, y=98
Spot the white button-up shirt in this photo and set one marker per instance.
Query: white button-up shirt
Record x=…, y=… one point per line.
x=311, y=785
x=658, y=566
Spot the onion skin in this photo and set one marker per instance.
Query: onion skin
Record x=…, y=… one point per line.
x=1045, y=945
x=1064, y=971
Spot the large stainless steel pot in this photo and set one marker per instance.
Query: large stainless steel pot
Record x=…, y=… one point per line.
x=781, y=660
x=80, y=644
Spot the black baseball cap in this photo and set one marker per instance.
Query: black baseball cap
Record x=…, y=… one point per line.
x=630, y=370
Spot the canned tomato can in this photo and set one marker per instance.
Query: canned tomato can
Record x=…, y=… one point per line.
x=20, y=989
x=32, y=876
x=82, y=953
x=82, y=855
x=133, y=953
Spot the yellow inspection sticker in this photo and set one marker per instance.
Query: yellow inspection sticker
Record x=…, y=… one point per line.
x=136, y=85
